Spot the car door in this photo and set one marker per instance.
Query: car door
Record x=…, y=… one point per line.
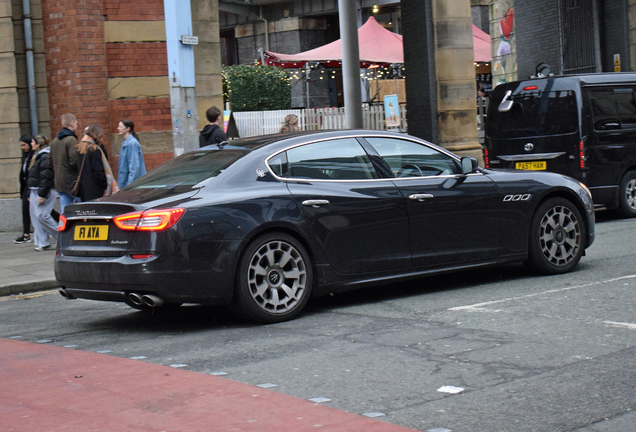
x=359, y=219
x=452, y=217
x=612, y=140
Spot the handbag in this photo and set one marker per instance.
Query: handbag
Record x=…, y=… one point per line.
x=75, y=186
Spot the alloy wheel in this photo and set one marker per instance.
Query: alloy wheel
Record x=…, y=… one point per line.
x=560, y=235
x=630, y=194
x=277, y=277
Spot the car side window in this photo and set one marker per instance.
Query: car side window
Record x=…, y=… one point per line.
x=410, y=159
x=278, y=164
x=338, y=159
x=613, y=108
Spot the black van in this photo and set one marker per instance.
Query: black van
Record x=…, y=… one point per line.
x=580, y=125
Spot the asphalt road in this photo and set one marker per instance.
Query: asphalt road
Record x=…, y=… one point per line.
x=530, y=353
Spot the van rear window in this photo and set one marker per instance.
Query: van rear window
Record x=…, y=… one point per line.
x=533, y=113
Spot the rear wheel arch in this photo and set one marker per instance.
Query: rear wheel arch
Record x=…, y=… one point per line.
x=627, y=194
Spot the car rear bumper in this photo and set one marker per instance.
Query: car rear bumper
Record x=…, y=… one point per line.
x=174, y=281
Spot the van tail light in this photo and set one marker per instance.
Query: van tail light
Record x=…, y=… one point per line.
x=581, y=155
x=486, y=158
x=149, y=220
x=61, y=225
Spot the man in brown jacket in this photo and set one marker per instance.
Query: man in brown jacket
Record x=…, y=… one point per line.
x=64, y=157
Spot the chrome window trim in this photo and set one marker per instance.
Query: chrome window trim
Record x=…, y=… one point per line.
x=363, y=136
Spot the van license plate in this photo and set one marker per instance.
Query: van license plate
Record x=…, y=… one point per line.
x=91, y=232
x=535, y=165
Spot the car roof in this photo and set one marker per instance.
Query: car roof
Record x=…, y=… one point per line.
x=584, y=79
x=281, y=140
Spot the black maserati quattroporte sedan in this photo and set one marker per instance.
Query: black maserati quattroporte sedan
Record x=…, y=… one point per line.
x=262, y=224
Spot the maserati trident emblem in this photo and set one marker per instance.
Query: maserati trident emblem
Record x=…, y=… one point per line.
x=528, y=147
x=274, y=277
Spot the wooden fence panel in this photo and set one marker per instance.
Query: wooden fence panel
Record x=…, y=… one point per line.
x=254, y=123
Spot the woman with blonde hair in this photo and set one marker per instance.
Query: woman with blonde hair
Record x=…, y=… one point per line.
x=42, y=193
x=92, y=176
x=290, y=124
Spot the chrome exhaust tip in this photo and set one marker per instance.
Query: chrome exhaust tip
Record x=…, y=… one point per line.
x=63, y=293
x=152, y=300
x=135, y=299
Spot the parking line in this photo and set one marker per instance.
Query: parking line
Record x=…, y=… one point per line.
x=620, y=324
x=480, y=306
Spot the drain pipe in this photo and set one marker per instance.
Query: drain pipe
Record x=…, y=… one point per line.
x=28, y=48
x=266, y=28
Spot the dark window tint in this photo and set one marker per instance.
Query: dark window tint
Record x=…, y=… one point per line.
x=411, y=159
x=340, y=159
x=533, y=113
x=612, y=108
x=189, y=169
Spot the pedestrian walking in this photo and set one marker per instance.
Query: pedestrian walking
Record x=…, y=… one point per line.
x=290, y=124
x=27, y=155
x=212, y=132
x=92, y=177
x=42, y=193
x=64, y=157
x=131, y=159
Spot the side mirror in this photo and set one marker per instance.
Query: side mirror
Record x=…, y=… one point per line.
x=506, y=102
x=469, y=165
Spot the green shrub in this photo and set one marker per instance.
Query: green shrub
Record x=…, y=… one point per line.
x=256, y=88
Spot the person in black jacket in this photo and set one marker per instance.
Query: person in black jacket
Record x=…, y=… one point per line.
x=212, y=133
x=42, y=193
x=27, y=155
x=93, y=181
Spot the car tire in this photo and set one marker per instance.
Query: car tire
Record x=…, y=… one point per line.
x=274, y=279
x=627, y=196
x=557, y=237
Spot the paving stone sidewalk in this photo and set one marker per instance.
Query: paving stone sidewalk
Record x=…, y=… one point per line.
x=22, y=268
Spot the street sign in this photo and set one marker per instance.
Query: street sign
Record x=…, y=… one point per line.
x=190, y=40
x=617, y=62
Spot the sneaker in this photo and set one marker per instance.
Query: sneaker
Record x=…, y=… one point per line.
x=42, y=248
x=23, y=239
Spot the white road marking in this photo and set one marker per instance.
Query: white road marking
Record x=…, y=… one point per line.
x=621, y=324
x=479, y=307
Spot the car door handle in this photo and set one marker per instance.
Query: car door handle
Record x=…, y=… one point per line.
x=315, y=203
x=420, y=197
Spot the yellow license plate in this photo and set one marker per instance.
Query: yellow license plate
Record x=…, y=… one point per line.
x=535, y=165
x=91, y=232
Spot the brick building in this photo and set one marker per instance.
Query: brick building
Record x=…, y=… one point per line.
x=103, y=60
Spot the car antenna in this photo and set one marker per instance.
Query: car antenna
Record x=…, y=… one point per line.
x=222, y=144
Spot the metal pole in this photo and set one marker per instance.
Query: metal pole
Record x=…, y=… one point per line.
x=28, y=47
x=350, y=64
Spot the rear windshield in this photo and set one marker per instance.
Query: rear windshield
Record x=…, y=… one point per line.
x=189, y=169
x=533, y=113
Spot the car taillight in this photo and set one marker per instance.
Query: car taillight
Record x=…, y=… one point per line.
x=149, y=220
x=486, y=158
x=61, y=225
x=581, y=155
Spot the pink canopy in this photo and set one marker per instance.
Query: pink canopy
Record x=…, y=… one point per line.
x=376, y=45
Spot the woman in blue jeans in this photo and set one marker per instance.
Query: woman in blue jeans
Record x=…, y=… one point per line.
x=131, y=159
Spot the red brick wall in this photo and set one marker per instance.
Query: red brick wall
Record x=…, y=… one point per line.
x=137, y=59
x=137, y=10
x=76, y=62
x=79, y=63
x=151, y=114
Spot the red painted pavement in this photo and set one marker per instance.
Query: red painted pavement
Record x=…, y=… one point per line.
x=47, y=388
